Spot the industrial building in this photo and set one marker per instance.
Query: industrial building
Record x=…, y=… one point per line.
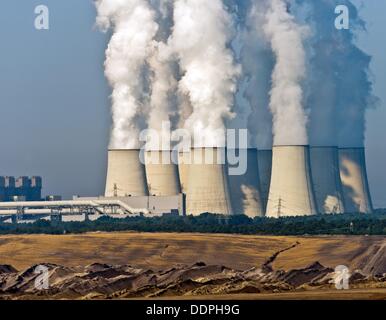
x=291, y=190
x=265, y=167
x=326, y=179
x=125, y=174
x=208, y=184
x=353, y=174
x=84, y=208
x=161, y=173
x=245, y=190
x=285, y=181
x=22, y=188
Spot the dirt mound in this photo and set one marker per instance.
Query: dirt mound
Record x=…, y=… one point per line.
x=6, y=268
x=101, y=281
x=373, y=260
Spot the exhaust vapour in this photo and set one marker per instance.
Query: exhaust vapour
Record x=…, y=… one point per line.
x=201, y=40
x=340, y=88
x=134, y=27
x=287, y=39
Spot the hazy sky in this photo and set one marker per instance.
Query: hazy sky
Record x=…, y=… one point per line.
x=54, y=99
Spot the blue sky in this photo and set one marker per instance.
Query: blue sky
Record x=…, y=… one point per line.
x=54, y=99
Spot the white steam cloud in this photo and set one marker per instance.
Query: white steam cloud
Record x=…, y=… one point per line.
x=287, y=42
x=163, y=74
x=179, y=61
x=257, y=61
x=134, y=27
x=201, y=39
x=340, y=89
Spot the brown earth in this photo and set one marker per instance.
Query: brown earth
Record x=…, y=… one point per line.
x=161, y=250
x=200, y=266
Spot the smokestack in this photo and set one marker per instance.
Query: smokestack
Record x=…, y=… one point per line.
x=161, y=174
x=208, y=188
x=245, y=189
x=353, y=174
x=265, y=168
x=291, y=192
x=125, y=174
x=326, y=179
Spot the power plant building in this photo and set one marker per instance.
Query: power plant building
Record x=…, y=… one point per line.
x=126, y=174
x=208, y=185
x=161, y=174
x=291, y=191
x=326, y=179
x=265, y=168
x=245, y=188
x=25, y=188
x=353, y=174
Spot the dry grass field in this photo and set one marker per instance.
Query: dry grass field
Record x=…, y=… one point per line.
x=162, y=250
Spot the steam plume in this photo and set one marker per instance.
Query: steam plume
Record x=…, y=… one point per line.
x=257, y=61
x=340, y=87
x=163, y=73
x=201, y=39
x=287, y=41
x=134, y=27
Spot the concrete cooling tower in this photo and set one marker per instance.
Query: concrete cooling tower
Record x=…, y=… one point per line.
x=208, y=188
x=291, y=192
x=265, y=168
x=125, y=174
x=354, y=180
x=245, y=189
x=183, y=169
x=161, y=174
x=326, y=179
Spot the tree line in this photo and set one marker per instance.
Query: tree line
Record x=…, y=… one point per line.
x=340, y=224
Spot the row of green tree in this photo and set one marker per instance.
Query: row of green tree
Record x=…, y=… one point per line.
x=343, y=224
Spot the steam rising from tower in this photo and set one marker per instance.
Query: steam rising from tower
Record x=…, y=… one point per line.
x=134, y=26
x=201, y=40
x=287, y=41
x=274, y=67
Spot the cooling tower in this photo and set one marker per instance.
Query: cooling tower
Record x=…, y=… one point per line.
x=326, y=179
x=291, y=192
x=125, y=174
x=161, y=174
x=245, y=188
x=353, y=174
x=183, y=169
x=208, y=188
x=265, y=166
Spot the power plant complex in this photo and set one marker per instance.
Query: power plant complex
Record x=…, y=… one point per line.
x=263, y=73
x=284, y=181
x=289, y=180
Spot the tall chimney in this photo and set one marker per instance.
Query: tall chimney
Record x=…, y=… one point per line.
x=353, y=174
x=291, y=192
x=265, y=168
x=208, y=187
x=161, y=173
x=245, y=189
x=125, y=174
x=326, y=179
